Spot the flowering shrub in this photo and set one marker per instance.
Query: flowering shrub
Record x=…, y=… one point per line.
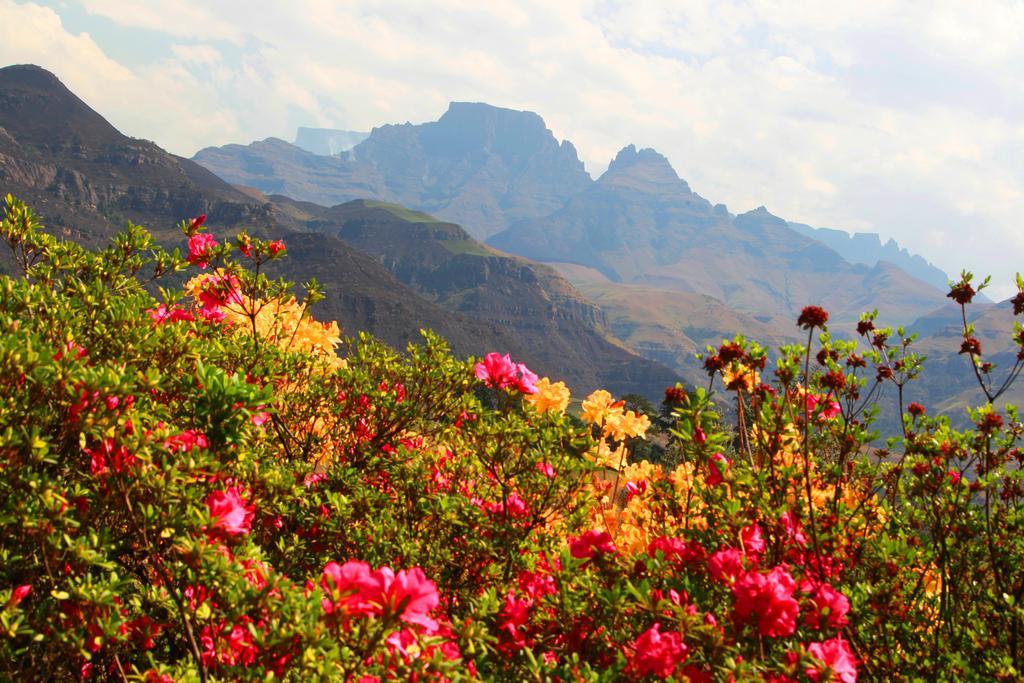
x=199, y=487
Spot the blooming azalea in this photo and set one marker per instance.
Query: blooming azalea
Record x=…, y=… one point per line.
x=229, y=511
x=200, y=247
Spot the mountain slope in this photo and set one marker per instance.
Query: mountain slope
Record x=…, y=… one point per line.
x=641, y=224
x=443, y=263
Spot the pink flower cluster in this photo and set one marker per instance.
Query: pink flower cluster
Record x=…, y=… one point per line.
x=200, y=248
x=355, y=589
x=501, y=372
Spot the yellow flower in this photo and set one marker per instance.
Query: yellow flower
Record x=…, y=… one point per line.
x=596, y=407
x=603, y=456
x=622, y=425
x=550, y=396
x=741, y=379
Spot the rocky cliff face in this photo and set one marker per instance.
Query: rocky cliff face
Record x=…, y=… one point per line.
x=480, y=166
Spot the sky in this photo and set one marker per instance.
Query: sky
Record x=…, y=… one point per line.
x=902, y=118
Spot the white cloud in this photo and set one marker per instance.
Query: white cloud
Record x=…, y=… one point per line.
x=901, y=118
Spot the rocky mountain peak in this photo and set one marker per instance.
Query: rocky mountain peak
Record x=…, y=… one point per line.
x=644, y=169
x=34, y=104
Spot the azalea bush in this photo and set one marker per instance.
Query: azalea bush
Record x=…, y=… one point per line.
x=201, y=481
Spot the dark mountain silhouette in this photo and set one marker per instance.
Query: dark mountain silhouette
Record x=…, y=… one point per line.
x=86, y=179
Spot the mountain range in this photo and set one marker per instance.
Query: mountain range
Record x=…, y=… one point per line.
x=671, y=270
x=611, y=282
x=86, y=180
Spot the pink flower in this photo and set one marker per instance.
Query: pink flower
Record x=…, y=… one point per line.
x=837, y=662
x=699, y=436
x=677, y=551
x=230, y=513
x=830, y=410
x=753, y=542
x=718, y=465
x=830, y=606
x=726, y=565
x=162, y=314
x=658, y=653
x=635, y=488
x=526, y=382
x=199, y=247
x=356, y=589
x=590, y=544
x=769, y=598
x=546, y=469
x=496, y=370
x=500, y=372
x=186, y=441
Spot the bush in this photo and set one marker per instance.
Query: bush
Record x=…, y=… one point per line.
x=196, y=486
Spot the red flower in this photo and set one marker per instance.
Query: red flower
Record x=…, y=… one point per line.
x=19, y=594
x=276, y=247
x=1018, y=303
x=971, y=346
x=753, y=542
x=677, y=551
x=658, y=653
x=199, y=247
x=590, y=544
x=962, y=292
x=769, y=598
x=916, y=409
x=726, y=565
x=718, y=465
x=837, y=662
x=830, y=606
x=230, y=513
x=811, y=317
x=674, y=396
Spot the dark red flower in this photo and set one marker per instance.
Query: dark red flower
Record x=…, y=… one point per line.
x=962, y=292
x=1018, y=303
x=865, y=326
x=916, y=409
x=811, y=317
x=971, y=346
x=674, y=395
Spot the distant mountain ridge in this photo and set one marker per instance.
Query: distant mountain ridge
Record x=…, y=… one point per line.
x=480, y=166
x=867, y=248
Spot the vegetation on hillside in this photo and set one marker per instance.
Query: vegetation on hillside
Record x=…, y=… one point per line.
x=198, y=486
